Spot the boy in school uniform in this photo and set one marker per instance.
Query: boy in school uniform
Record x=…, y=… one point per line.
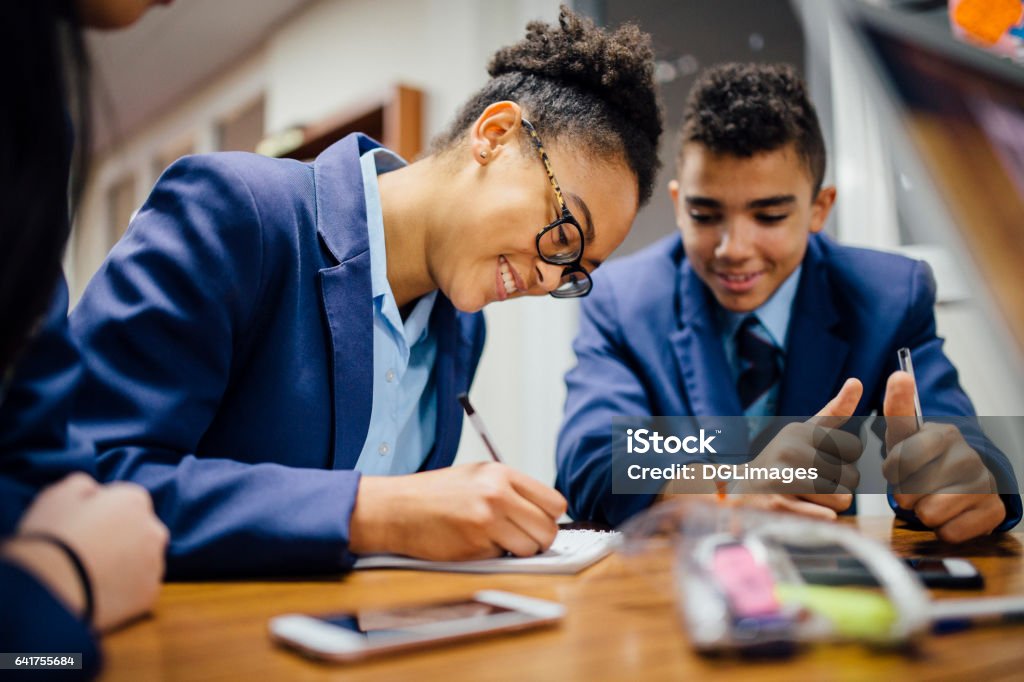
x=750, y=310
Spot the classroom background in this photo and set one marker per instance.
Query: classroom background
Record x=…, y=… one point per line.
x=288, y=77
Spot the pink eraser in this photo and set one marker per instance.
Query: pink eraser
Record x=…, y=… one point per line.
x=748, y=584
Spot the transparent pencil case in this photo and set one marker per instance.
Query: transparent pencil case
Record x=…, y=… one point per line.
x=740, y=592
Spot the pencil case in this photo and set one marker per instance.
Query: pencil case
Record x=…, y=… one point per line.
x=739, y=592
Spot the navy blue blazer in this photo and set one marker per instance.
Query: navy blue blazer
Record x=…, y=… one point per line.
x=35, y=621
x=35, y=450
x=648, y=345
x=228, y=348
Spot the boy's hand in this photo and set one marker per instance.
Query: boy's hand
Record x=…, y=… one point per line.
x=936, y=473
x=817, y=443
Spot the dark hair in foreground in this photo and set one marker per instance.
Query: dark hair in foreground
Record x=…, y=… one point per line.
x=45, y=76
x=746, y=109
x=581, y=85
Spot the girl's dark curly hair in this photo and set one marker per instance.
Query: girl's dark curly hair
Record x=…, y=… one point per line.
x=578, y=83
x=746, y=109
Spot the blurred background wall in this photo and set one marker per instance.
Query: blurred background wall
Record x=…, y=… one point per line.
x=283, y=76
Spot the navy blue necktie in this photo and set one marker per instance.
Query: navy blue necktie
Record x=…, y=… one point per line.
x=758, y=357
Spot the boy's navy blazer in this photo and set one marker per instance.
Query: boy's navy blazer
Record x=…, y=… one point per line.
x=649, y=345
x=228, y=347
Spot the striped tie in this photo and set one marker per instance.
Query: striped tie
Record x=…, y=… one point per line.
x=758, y=357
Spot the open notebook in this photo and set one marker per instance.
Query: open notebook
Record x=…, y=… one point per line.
x=571, y=552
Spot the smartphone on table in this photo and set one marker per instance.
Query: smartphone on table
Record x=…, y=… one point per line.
x=956, y=574
x=347, y=637
x=833, y=565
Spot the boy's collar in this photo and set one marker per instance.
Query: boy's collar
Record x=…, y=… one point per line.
x=773, y=314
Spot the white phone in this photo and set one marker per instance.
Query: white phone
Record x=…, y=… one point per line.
x=368, y=632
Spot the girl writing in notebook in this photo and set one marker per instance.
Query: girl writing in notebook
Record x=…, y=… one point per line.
x=275, y=347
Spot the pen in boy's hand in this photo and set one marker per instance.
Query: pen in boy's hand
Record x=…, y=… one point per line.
x=478, y=424
x=907, y=365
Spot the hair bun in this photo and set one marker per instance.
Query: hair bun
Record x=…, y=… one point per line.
x=617, y=67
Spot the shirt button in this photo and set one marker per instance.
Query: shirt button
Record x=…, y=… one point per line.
x=390, y=375
x=383, y=449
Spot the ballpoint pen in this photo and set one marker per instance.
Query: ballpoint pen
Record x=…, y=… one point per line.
x=481, y=430
x=907, y=365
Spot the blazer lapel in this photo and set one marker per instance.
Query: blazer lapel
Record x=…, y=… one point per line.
x=699, y=353
x=816, y=351
x=704, y=370
x=347, y=297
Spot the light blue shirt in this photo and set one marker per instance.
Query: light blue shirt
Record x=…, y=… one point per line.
x=774, y=316
x=404, y=413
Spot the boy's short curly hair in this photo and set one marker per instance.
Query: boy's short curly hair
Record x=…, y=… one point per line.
x=746, y=109
x=578, y=82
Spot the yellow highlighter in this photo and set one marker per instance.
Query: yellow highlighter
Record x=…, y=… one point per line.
x=854, y=613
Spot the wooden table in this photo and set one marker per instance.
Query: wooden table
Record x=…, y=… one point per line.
x=621, y=625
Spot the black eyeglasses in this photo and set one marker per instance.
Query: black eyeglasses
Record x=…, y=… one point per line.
x=561, y=242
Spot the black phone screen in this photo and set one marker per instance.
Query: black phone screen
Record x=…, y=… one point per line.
x=928, y=565
x=406, y=620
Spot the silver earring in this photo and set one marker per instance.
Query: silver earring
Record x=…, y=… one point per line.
x=483, y=154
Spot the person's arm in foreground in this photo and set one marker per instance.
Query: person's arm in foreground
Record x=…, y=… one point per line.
x=118, y=541
x=35, y=446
